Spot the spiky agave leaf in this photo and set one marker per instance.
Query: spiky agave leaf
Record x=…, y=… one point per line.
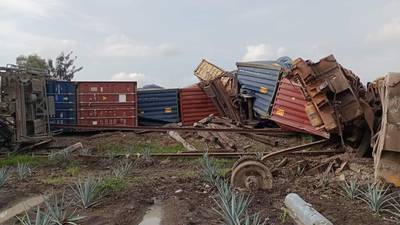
x=4, y=174
x=23, y=171
x=394, y=211
x=123, y=169
x=209, y=170
x=351, y=189
x=57, y=209
x=63, y=155
x=87, y=192
x=377, y=197
x=147, y=154
x=231, y=205
x=40, y=219
x=253, y=220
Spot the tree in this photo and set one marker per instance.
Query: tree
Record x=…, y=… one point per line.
x=32, y=62
x=64, y=68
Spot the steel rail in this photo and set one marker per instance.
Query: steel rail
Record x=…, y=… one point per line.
x=272, y=131
x=292, y=149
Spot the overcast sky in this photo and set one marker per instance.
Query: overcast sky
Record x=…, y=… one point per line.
x=163, y=41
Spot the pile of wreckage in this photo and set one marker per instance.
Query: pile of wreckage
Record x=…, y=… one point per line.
x=323, y=99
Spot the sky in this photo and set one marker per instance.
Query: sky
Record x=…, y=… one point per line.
x=162, y=42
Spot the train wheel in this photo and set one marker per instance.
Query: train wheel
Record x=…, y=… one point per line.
x=251, y=174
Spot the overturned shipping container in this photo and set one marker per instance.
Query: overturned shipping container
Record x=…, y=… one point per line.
x=63, y=94
x=195, y=105
x=259, y=80
x=107, y=104
x=289, y=109
x=158, y=106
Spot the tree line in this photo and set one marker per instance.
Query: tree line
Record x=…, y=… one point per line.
x=62, y=68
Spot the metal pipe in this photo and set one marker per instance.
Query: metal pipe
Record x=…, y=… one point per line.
x=303, y=213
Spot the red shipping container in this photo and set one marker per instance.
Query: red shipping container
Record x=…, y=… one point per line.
x=195, y=105
x=289, y=109
x=107, y=104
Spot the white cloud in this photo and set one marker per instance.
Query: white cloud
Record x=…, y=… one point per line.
x=26, y=43
x=125, y=76
x=42, y=8
x=120, y=45
x=262, y=52
x=389, y=31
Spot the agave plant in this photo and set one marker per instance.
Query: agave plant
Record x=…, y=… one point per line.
x=253, y=220
x=57, y=210
x=377, y=197
x=123, y=169
x=23, y=171
x=147, y=154
x=62, y=155
x=41, y=218
x=351, y=189
x=210, y=171
x=87, y=192
x=231, y=206
x=3, y=175
x=394, y=210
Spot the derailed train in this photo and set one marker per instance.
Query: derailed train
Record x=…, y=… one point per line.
x=323, y=99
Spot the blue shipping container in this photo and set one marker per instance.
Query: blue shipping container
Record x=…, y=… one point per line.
x=158, y=106
x=260, y=80
x=64, y=94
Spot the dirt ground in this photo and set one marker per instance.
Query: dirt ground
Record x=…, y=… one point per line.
x=176, y=184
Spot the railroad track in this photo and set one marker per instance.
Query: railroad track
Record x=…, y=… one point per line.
x=86, y=128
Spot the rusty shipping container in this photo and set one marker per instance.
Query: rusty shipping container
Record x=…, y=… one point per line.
x=289, y=110
x=195, y=105
x=107, y=104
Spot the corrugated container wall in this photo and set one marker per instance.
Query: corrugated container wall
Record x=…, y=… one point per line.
x=107, y=104
x=259, y=79
x=195, y=105
x=158, y=106
x=289, y=109
x=63, y=94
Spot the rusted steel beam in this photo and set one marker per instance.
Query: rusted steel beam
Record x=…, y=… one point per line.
x=272, y=131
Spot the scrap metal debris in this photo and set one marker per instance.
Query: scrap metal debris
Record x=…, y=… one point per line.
x=336, y=97
x=386, y=144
